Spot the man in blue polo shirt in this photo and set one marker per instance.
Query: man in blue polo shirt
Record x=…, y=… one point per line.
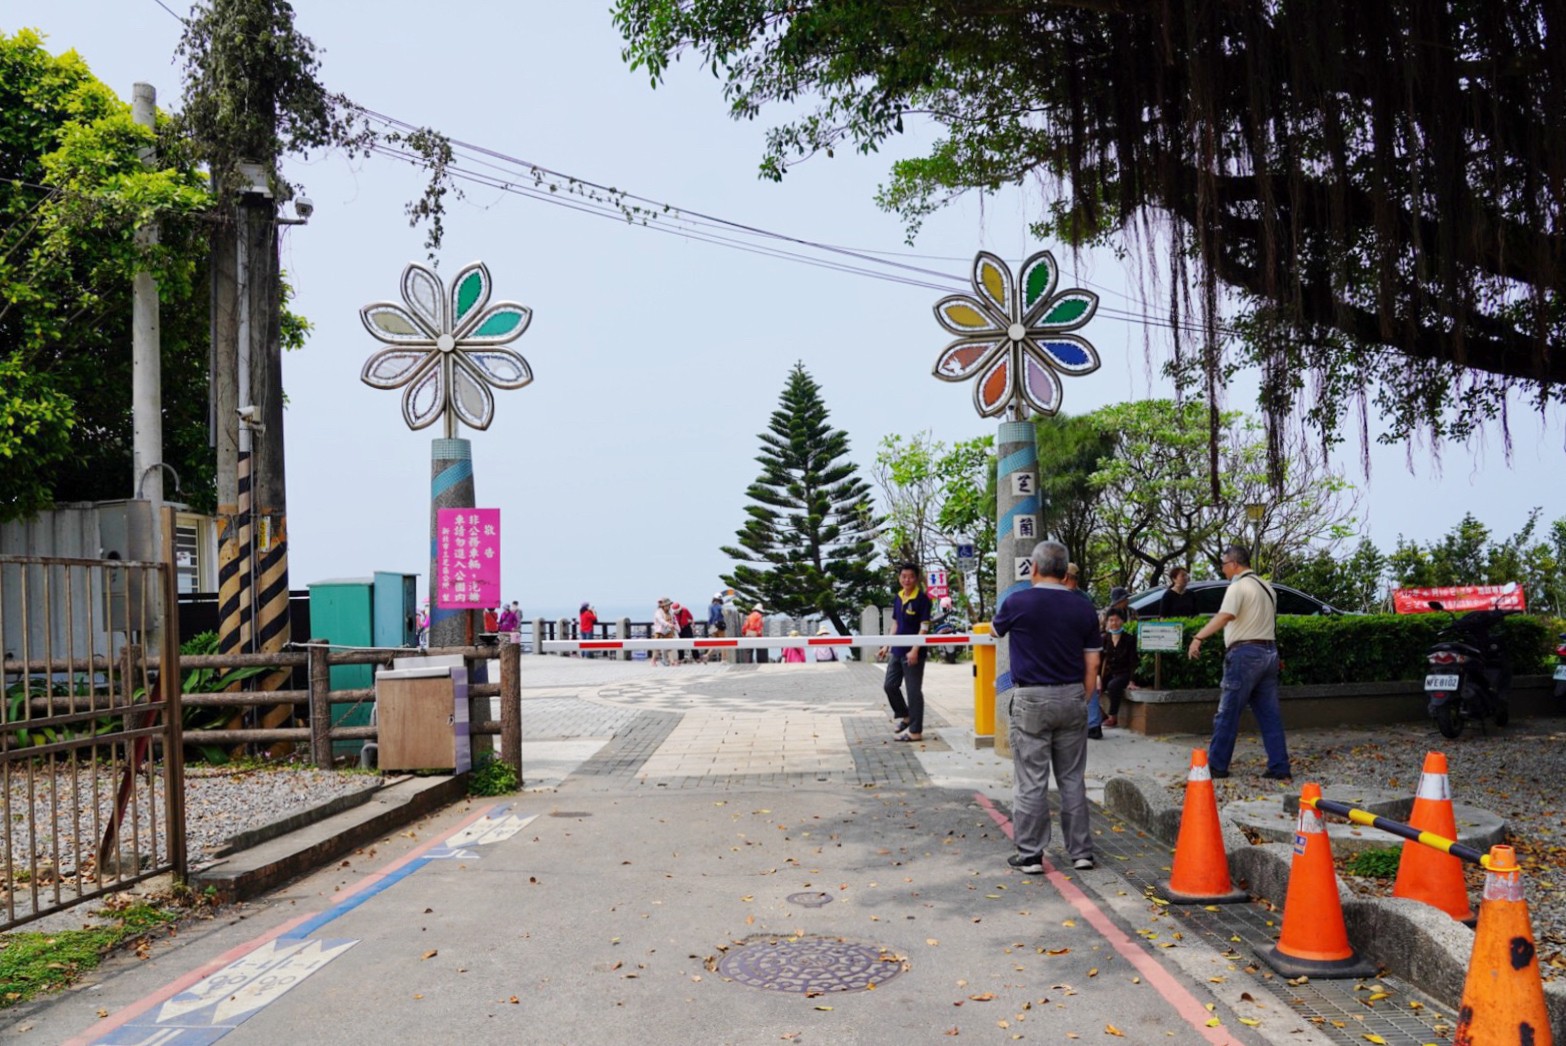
x=911, y=614
x=1055, y=649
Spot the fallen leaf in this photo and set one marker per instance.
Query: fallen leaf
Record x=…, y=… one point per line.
x=1110, y=1029
x=430, y=954
x=1250, y=1021
x=823, y=1007
x=1378, y=1040
x=931, y=941
x=983, y=997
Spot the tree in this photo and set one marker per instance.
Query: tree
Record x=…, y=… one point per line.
x=1356, y=582
x=809, y=542
x=934, y=495
x=1070, y=449
x=1382, y=183
x=72, y=190
x=1468, y=555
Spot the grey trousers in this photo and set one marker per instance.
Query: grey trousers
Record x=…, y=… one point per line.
x=1049, y=728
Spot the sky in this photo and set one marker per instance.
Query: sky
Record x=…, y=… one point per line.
x=657, y=358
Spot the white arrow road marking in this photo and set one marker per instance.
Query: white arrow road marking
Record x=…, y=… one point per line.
x=488, y=830
x=441, y=853
x=273, y=983
x=253, y=980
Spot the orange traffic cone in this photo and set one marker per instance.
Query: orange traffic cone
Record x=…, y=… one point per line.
x=1200, y=874
x=1425, y=873
x=1314, y=941
x=1503, y=997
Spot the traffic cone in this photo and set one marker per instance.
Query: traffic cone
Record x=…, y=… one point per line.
x=1200, y=874
x=1423, y=872
x=1503, y=997
x=1314, y=941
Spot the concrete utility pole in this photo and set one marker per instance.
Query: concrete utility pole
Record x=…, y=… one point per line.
x=146, y=350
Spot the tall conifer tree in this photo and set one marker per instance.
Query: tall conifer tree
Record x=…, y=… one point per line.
x=808, y=544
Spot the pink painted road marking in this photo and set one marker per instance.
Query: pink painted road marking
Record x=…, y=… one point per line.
x=1176, y=994
x=173, y=988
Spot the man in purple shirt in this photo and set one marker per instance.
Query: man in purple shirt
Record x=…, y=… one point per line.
x=911, y=614
x=1055, y=649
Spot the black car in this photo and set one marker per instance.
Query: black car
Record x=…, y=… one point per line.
x=1209, y=597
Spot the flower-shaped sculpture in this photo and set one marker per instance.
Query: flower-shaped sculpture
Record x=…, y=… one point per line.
x=446, y=350
x=1014, y=336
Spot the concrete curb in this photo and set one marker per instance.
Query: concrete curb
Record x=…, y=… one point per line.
x=244, y=875
x=1411, y=940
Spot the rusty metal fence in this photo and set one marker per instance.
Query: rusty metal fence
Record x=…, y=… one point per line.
x=91, y=771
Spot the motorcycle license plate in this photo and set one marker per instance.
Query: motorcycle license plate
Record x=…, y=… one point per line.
x=1440, y=682
x=1560, y=672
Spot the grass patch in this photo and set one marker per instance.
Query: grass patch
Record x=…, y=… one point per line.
x=1374, y=864
x=33, y=963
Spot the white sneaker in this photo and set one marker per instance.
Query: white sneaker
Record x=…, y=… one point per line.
x=1083, y=864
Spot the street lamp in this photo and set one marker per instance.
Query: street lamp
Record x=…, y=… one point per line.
x=1254, y=511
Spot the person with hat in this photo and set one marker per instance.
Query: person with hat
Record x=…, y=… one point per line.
x=825, y=653
x=755, y=626
x=793, y=655
x=663, y=627
x=717, y=625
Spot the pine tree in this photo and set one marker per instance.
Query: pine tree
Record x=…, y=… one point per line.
x=808, y=544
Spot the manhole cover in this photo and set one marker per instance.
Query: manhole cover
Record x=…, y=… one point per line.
x=810, y=965
x=810, y=899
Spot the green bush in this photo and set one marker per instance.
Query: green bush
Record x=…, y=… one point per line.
x=492, y=777
x=1353, y=648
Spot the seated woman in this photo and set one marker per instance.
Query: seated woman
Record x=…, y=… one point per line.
x=1118, y=664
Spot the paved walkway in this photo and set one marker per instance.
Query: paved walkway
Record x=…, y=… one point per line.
x=720, y=854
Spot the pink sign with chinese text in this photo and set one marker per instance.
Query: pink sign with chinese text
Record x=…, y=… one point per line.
x=467, y=558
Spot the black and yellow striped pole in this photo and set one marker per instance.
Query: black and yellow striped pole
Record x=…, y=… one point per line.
x=1402, y=831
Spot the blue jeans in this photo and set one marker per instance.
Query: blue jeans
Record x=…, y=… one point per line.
x=1095, y=711
x=1250, y=677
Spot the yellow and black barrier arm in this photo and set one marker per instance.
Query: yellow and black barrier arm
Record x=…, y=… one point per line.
x=1401, y=830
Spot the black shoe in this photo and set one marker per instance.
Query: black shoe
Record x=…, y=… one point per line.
x=1027, y=865
x=1269, y=775
x=1218, y=773
x=1095, y=733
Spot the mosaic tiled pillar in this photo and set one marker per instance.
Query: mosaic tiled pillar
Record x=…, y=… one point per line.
x=1016, y=532
x=451, y=486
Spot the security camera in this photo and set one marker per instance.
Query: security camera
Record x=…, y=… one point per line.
x=249, y=413
x=304, y=207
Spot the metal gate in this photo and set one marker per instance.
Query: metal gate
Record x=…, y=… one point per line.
x=91, y=768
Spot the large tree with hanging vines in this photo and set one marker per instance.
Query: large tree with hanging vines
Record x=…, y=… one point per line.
x=1379, y=184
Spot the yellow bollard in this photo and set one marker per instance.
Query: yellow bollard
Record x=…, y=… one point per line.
x=983, y=691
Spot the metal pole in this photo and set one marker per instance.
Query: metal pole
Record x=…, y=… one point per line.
x=146, y=353
x=1016, y=532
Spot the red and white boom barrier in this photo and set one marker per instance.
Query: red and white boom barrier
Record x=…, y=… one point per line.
x=947, y=639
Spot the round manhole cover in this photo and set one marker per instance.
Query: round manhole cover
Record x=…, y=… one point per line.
x=810, y=899
x=810, y=965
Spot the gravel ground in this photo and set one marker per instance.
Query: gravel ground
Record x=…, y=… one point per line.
x=1518, y=773
x=219, y=803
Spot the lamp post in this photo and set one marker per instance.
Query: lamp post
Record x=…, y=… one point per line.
x=1255, y=511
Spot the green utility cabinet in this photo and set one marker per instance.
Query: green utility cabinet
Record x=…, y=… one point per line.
x=362, y=612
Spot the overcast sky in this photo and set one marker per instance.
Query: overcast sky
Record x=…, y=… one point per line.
x=657, y=358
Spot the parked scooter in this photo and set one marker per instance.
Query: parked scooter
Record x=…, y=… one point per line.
x=1470, y=676
x=949, y=623
x=1560, y=667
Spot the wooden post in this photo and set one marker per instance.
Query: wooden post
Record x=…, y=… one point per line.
x=511, y=707
x=320, y=705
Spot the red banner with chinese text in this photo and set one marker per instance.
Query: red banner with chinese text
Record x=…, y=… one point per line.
x=1459, y=598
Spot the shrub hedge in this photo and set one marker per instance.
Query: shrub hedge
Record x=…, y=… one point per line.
x=1354, y=648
